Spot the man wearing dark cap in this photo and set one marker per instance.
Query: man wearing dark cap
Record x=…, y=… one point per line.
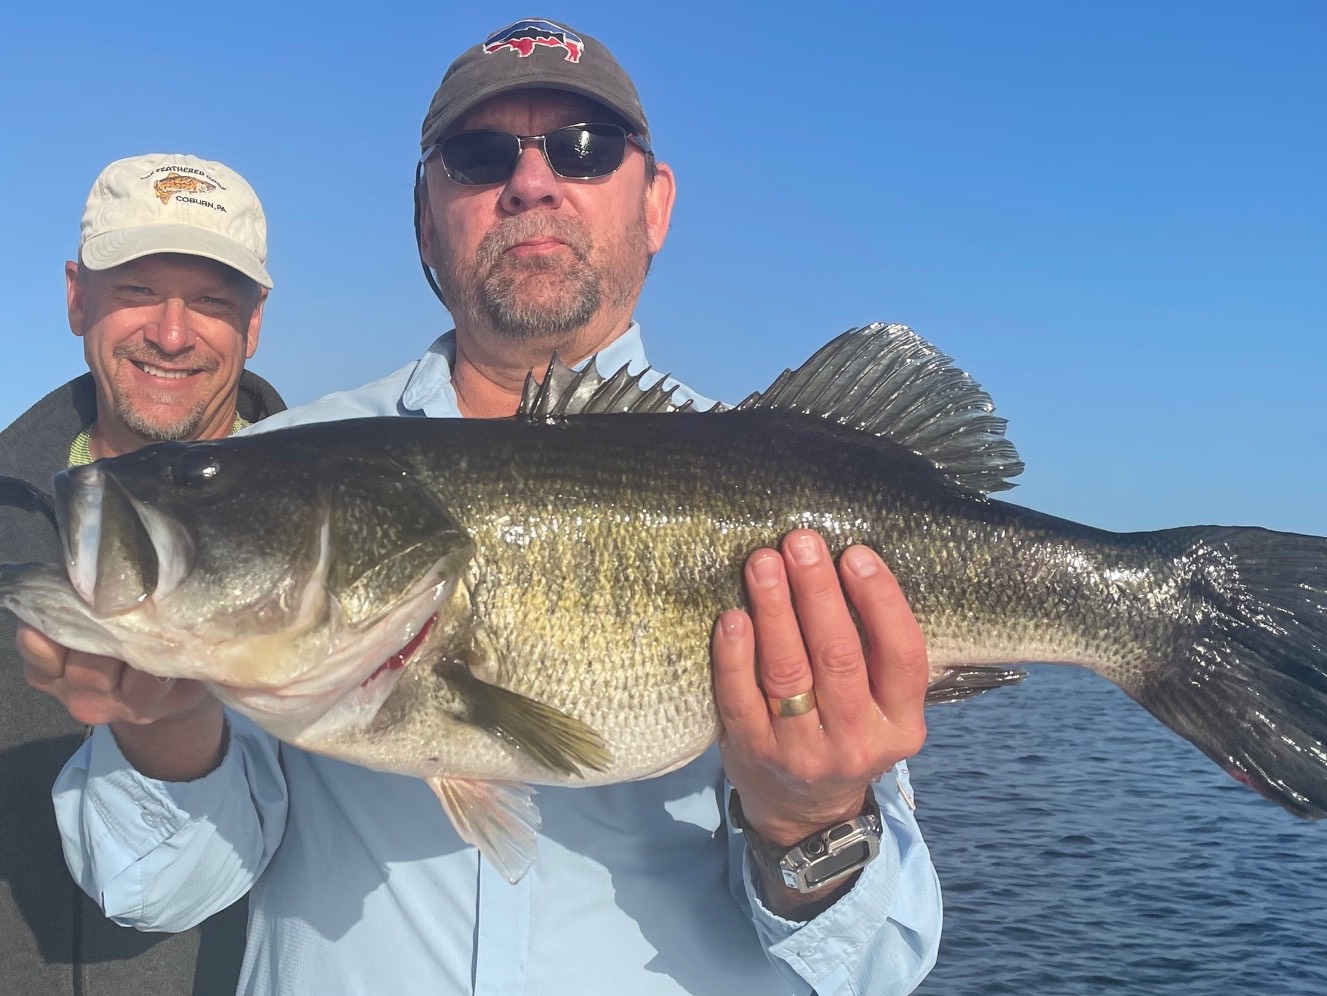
x=167, y=296
x=538, y=207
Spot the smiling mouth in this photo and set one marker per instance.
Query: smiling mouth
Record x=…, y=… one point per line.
x=162, y=372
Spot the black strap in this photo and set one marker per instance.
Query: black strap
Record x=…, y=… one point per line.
x=20, y=494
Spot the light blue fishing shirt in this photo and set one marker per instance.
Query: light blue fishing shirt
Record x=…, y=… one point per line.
x=360, y=885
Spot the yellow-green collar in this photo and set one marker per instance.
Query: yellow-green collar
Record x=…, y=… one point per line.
x=80, y=451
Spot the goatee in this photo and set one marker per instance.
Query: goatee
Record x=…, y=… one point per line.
x=130, y=410
x=530, y=297
x=548, y=295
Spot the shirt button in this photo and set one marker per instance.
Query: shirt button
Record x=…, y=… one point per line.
x=151, y=819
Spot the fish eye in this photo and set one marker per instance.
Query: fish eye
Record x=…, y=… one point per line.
x=195, y=467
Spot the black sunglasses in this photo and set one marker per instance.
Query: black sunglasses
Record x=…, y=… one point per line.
x=576, y=152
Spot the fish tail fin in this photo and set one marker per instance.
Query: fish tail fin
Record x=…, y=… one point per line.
x=1247, y=683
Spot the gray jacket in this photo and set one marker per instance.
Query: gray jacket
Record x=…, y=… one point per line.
x=54, y=940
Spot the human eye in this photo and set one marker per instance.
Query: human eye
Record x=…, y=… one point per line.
x=211, y=304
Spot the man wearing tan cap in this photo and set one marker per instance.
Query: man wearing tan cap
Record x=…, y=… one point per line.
x=167, y=297
x=785, y=859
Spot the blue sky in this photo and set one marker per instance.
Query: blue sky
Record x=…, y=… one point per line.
x=1112, y=215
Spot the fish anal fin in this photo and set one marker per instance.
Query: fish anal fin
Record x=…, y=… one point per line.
x=499, y=818
x=959, y=683
x=559, y=742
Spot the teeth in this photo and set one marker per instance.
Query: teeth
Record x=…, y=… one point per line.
x=147, y=368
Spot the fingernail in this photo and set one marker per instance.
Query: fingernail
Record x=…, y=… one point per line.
x=806, y=550
x=732, y=623
x=765, y=570
x=861, y=562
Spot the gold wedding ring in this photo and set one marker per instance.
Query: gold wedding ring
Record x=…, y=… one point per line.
x=796, y=705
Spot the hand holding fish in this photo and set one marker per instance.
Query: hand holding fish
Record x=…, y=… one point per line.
x=167, y=728
x=799, y=773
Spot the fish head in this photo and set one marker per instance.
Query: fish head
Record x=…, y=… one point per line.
x=281, y=570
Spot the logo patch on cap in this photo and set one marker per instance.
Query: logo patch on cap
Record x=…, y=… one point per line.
x=523, y=36
x=177, y=183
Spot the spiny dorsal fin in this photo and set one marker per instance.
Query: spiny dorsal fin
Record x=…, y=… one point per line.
x=587, y=392
x=889, y=381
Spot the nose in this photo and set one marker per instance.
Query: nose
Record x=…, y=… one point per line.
x=532, y=184
x=172, y=332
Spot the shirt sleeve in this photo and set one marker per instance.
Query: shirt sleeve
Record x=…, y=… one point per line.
x=164, y=856
x=881, y=938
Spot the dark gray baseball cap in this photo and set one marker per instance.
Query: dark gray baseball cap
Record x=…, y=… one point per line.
x=527, y=54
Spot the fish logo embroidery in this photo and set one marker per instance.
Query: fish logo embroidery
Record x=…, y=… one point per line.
x=178, y=183
x=523, y=36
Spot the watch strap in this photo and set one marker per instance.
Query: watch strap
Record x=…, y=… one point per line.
x=794, y=865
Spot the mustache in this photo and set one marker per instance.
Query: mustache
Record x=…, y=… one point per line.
x=146, y=352
x=513, y=231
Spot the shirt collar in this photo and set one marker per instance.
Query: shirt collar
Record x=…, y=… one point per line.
x=429, y=389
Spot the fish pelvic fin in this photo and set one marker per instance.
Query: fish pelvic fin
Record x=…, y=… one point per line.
x=1247, y=682
x=499, y=818
x=559, y=742
x=958, y=683
x=889, y=381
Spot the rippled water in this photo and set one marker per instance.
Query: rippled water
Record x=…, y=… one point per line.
x=1085, y=849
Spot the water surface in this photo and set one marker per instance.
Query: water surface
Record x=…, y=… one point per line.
x=1085, y=849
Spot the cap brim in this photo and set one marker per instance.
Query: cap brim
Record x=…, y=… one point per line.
x=101, y=252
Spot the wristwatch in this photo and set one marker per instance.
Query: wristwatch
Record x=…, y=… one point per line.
x=822, y=859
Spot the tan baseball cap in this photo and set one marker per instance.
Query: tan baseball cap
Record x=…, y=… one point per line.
x=174, y=203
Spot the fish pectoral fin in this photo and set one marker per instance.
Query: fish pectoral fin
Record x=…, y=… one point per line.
x=499, y=818
x=559, y=742
x=958, y=683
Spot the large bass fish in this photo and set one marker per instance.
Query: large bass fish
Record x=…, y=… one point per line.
x=489, y=604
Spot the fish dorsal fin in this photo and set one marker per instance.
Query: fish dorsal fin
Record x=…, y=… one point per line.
x=889, y=381
x=587, y=392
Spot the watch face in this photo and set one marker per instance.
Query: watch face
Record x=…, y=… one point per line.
x=829, y=867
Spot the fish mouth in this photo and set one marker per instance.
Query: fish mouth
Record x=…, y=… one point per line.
x=124, y=556
x=119, y=551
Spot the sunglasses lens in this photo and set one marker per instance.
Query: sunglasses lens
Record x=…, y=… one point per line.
x=479, y=158
x=584, y=151
x=577, y=152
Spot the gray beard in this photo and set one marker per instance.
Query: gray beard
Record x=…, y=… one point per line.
x=516, y=315
x=156, y=432
x=183, y=427
x=539, y=297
